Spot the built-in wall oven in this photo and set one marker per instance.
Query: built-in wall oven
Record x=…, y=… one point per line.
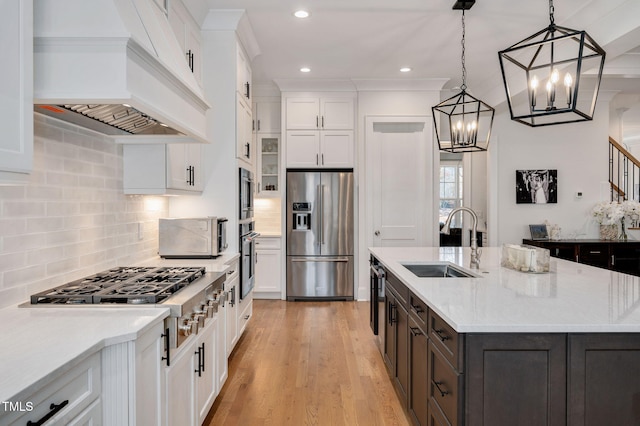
x=376, y=300
x=247, y=258
x=247, y=234
x=246, y=194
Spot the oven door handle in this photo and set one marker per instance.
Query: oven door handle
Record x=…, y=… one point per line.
x=378, y=272
x=250, y=237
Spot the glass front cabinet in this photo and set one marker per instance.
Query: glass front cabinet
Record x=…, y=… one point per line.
x=268, y=164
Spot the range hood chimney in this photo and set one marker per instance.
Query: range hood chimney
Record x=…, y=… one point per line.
x=115, y=66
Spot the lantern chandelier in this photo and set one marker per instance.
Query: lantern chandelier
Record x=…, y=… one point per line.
x=557, y=66
x=462, y=122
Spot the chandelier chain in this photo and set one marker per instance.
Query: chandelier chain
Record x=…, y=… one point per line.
x=551, y=11
x=463, y=87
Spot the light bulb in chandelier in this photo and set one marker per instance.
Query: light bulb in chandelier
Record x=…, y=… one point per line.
x=568, y=85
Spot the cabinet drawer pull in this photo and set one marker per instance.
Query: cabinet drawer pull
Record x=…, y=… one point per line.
x=392, y=307
x=441, y=334
x=167, y=347
x=417, y=309
x=442, y=392
x=594, y=252
x=199, y=353
x=54, y=410
x=415, y=331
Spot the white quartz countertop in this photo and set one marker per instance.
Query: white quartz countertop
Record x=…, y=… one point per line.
x=39, y=344
x=573, y=297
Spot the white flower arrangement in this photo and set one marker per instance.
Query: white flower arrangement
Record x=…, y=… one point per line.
x=610, y=213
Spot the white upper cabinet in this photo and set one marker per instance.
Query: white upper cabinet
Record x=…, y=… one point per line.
x=266, y=116
x=243, y=79
x=320, y=113
x=157, y=169
x=303, y=113
x=16, y=87
x=245, y=149
x=188, y=34
x=320, y=149
x=319, y=131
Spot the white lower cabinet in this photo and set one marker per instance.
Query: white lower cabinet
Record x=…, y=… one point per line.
x=231, y=310
x=222, y=367
x=190, y=380
x=268, y=268
x=72, y=398
x=206, y=386
x=149, y=390
x=180, y=382
x=245, y=310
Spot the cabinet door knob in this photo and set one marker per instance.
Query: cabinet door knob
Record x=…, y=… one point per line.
x=376, y=233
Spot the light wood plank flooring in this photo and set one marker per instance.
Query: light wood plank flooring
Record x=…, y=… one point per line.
x=307, y=363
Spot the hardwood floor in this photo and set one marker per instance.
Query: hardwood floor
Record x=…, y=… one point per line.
x=307, y=363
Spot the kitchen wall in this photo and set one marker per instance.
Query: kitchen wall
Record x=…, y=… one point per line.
x=71, y=219
x=578, y=151
x=268, y=216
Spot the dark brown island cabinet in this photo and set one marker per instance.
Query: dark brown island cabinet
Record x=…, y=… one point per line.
x=504, y=379
x=619, y=256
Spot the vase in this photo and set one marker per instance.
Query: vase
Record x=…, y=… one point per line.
x=623, y=231
x=608, y=232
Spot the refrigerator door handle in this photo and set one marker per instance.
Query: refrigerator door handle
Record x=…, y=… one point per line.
x=319, y=259
x=321, y=212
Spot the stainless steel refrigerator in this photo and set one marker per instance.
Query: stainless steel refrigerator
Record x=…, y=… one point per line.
x=320, y=235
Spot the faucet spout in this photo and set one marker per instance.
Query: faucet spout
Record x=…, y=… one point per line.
x=475, y=253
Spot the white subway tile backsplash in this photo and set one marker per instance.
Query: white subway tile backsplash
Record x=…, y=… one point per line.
x=12, y=192
x=45, y=224
x=72, y=219
x=23, y=208
x=15, y=277
x=14, y=226
x=23, y=242
x=62, y=179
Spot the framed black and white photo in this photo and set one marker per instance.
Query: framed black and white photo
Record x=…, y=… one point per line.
x=536, y=186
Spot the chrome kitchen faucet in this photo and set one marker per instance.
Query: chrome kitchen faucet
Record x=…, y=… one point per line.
x=475, y=253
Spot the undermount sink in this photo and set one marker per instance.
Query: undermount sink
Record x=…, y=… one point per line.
x=437, y=270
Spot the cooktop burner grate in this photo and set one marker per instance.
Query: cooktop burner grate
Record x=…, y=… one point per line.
x=136, y=285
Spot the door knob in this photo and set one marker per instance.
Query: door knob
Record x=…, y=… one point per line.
x=377, y=233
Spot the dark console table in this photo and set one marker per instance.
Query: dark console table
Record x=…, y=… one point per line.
x=621, y=256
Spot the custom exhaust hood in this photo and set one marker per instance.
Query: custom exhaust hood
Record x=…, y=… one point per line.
x=116, y=67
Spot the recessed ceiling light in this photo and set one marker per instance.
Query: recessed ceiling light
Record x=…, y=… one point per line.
x=301, y=14
x=305, y=69
x=405, y=69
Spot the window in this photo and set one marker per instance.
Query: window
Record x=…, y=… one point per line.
x=450, y=190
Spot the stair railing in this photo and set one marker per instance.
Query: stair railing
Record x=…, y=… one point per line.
x=624, y=173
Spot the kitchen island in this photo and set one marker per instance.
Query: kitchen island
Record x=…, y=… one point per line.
x=506, y=347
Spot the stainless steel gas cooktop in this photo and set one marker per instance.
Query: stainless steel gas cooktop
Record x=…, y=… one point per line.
x=131, y=285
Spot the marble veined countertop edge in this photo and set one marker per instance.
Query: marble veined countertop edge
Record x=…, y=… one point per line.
x=571, y=298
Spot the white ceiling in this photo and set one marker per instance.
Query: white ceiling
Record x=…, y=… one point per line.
x=372, y=39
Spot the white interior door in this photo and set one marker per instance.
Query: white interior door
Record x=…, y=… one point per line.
x=399, y=152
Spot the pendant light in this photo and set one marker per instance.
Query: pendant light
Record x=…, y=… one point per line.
x=561, y=70
x=462, y=122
